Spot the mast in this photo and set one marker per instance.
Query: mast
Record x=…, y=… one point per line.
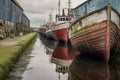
x=69, y=8
x=69, y=4
x=59, y=7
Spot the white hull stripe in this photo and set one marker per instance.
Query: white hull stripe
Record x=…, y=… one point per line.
x=61, y=26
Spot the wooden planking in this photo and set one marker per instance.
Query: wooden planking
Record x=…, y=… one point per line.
x=90, y=39
x=90, y=35
x=113, y=35
x=94, y=36
x=91, y=28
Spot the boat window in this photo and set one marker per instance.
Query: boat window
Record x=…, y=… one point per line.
x=66, y=19
x=61, y=68
x=58, y=19
x=63, y=19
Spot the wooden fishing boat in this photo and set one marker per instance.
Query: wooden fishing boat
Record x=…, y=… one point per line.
x=97, y=33
x=45, y=30
x=60, y=29
x=42, y=29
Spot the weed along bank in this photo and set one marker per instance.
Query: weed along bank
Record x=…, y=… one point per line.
x=10, y=51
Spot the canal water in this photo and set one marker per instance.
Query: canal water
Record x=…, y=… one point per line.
x=41, y=67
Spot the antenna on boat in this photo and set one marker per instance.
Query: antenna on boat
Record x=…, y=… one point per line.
x=59, y=7
x=50, y=18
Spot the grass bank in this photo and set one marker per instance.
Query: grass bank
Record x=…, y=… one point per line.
x=10, y=53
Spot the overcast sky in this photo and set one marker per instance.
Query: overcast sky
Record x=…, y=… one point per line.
x=38, y=10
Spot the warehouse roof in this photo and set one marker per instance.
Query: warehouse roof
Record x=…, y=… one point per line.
x=17, y=3
x=81, y=4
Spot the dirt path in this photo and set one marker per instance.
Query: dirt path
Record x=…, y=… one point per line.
x=11, y=43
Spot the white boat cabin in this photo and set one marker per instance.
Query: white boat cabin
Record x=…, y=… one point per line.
x=62, y=18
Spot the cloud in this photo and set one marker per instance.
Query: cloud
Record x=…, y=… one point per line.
x=38, y=10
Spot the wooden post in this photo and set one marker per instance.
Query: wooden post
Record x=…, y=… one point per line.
x=108, y=33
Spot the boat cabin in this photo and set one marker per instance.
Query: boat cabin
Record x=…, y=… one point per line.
x=62, y=18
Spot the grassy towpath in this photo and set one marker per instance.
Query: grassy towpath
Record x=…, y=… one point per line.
x=10, y=51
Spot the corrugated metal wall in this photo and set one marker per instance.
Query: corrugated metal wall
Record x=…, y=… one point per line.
x=7, y=9
x=2, y=9
x=17, y=14
x=12, y=15
x=13, y=12
x=26, y=23
x=24, y=19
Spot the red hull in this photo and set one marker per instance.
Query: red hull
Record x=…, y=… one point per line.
x=61, y=34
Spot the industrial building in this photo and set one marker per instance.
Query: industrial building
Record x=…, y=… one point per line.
x=12, y=19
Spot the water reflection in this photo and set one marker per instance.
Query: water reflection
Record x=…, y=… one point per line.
x=85, y=68
x=114, y=71
x=81, y=67
x=63, y=54
x=40, y=67
x=62, y=69
x=50, y=46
